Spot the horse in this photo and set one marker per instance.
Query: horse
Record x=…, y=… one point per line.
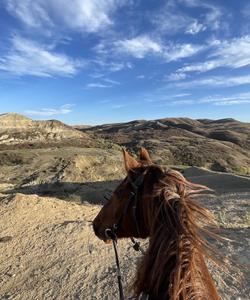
x=160, y=205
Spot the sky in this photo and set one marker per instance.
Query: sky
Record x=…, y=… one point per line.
x=106, y=61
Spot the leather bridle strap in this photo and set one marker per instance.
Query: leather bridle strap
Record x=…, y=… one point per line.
x=133, y=196
x=111, y=235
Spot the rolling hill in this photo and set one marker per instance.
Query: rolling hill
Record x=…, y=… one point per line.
x=219, y=145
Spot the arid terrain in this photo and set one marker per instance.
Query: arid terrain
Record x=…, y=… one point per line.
x=219, y=145
x=53, y=180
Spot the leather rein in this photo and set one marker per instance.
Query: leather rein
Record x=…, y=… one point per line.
x=111, y=232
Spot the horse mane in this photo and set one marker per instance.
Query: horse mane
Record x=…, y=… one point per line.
x=174, y=266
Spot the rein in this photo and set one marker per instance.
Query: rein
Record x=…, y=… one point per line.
x=111, y=233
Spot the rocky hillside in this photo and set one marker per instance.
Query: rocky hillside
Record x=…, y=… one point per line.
x=17, y=130
x=220, y=145
x=70, y=173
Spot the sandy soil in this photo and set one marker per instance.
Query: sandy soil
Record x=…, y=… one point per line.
x=48, y=249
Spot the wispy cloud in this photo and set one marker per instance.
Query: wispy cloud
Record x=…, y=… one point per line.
x=104, y=83
x=176, y=76
x=187, y=99
x=47, y=112
x=104, y=63
x=234, y=53
x=180, y=95
x=118, y=106
x=93, y=85
x=111, y=81
x=31, y=13
x=213, y=14
x=178, y=51
x=138, y=47
x=182, y=102
x=145, y=46
x=172, y=19
x=239, y=98
x=215, y=81
x=82, y=15
x=27, y=57
x=195, y=28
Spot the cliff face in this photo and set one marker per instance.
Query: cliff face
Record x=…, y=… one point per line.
x=13, y=122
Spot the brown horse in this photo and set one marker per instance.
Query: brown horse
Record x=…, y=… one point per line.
x=158, y=204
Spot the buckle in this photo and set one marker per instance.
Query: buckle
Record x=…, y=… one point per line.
x=110, y=234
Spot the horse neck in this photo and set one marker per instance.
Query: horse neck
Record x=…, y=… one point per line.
x=174, y=267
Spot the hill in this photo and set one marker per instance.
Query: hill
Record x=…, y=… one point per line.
x=19, y=131
x=219, y=145
x=49, y=250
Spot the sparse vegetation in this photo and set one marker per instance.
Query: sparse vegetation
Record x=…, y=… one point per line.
x=40, y=169
x=203, y=143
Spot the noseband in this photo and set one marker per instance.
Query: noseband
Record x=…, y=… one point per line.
x=111, y=232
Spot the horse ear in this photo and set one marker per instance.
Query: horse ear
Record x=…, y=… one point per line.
x=144, y=155
x=129, y=161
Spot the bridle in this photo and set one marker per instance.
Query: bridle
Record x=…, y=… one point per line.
x=111, y=232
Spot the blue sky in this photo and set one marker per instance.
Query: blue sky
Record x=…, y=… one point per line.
x=97, y=61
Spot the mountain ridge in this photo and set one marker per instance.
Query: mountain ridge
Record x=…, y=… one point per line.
x=220, y=145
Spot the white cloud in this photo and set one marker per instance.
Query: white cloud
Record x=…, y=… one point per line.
x=179, y=51
x=143, y=46
x=240, y=98
x=184, y=99
x=93, y=85
x=180, y=95
x=183, y=102
x=231, y=102
x=96, y=75
x=234, y=53
x=32, y=13
x=118, y=106
x=213, y=13
x=118, y=66
x=214, y=82
x=27, y=57
x=82, y=15
x=138, y=47
x=111, y=81
x=171, y=21
x=195, y=28
x=47, y=112
x=104, y=83
x=106, y=64
x=176, y=76
x=163, y=97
